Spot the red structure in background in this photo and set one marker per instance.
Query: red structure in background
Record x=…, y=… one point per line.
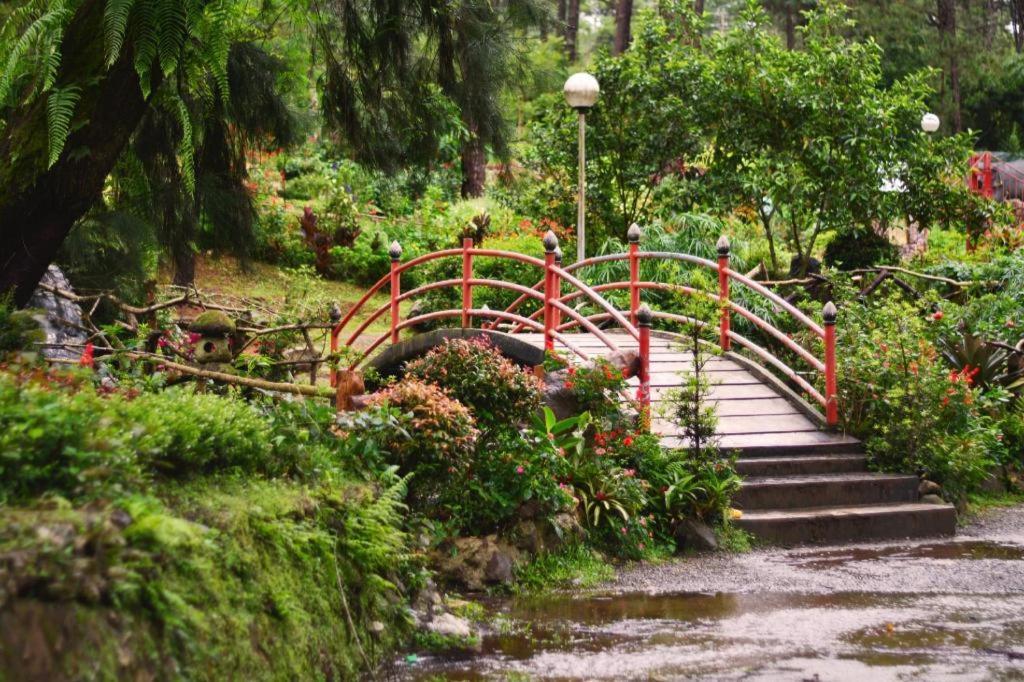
x=980, y=175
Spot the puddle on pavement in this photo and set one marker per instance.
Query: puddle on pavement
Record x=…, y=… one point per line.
x=843, y=636
x=952, y=550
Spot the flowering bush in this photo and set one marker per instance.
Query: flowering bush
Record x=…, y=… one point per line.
x=915, y=414
x=441, y=438
x=474, y=372
x=597, y=387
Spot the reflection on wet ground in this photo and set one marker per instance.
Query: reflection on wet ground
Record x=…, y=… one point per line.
x=965, y=549
x=848, y=636
x=972, y=630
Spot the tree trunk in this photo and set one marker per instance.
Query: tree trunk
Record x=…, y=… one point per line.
x=790, y=25
x=562, y=11
x=946, y=22
x=572, y=28
x=623, y=18
x=474, y=165
x=39, y=205
x=1017, y=23
x=698, y=7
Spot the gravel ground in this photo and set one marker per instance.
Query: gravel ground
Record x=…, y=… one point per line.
x=985, y=557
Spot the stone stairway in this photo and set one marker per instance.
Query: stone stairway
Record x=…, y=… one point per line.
x=793, y=495
x=802, y=484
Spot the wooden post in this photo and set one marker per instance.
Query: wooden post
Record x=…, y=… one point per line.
x=644, y=318
x=335, y=317
x=829, y=315
x=633, y=235
x=723, y=293
x=350, y=383
x=396, y=287
x=550, y=246
x=467, y=274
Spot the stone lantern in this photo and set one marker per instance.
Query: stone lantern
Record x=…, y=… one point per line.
x=215, y=330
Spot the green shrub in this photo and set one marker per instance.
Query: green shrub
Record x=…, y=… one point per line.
x=441, y=436
x=914, y=414
x=860, y=249
x=500, y=393
x=180, y=433
x=57, y=436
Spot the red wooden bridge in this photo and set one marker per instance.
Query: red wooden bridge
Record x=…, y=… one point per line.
x=805, y=480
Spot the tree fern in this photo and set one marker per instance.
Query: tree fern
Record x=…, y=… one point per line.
x=60, y=108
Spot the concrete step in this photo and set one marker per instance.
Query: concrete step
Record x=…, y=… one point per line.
x=821, y=490
x=829, y=444
x=849, y=524
x=801, y=465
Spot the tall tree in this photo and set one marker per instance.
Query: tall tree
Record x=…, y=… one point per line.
x=945, y=22
x=572, y=29
x=623, y=19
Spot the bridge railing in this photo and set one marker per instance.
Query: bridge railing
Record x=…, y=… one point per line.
x=555, y=315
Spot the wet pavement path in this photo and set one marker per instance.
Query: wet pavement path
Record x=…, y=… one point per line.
x=925, y=610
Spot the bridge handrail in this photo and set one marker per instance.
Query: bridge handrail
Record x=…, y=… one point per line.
x=555, y=305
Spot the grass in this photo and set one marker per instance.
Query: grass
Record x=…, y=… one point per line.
x=576, y=566
x=979, y=503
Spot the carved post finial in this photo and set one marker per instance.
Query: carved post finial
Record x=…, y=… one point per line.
x=395, y=250
x=550, y=242
x=633, y=234
x=644, y=316
x=723, y=246
x=829, y=313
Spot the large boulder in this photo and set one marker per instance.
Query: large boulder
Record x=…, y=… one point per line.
x=561, y=399
x=474, y=563
x=60, y=319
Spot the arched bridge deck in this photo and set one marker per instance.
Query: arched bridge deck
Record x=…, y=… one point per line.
x=755, y=412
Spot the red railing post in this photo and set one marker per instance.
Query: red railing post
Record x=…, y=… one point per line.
x=633, y=235
x=644, y=318
x=550, y=247
x=396, y=287
x=556, y=288
x=829, y=315
x=467, y=274
x=723, y=293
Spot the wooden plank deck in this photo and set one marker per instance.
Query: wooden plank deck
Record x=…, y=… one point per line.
x=752, y=413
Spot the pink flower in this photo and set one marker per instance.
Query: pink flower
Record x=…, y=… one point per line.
x=520, y=470
x=623, y=529
x=629, y=473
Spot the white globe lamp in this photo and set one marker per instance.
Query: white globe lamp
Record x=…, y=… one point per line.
x=581, y=91
x=929, y=123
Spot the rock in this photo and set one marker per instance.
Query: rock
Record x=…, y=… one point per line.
x=561, y=399
x=694, y=534
x=932, y=499
x=537, y=535
x=450, y=625
x=929, y=488
x=61, y=319
x=474, y=563
x=376, y=627
x=995, y=482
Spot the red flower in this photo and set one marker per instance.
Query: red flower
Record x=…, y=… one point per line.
x=520, y=470
x=569, y=384
x=937, y=315
x=627, y=441
x=86, y=360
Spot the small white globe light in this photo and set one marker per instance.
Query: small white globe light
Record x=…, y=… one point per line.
x=929, y=123
x=581, y=90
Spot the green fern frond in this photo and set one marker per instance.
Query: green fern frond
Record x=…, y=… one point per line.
x=60, y=108
x=146, y=44
x=187, y=150
x=174, y=30
x=45, y=31
x=115, y=25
